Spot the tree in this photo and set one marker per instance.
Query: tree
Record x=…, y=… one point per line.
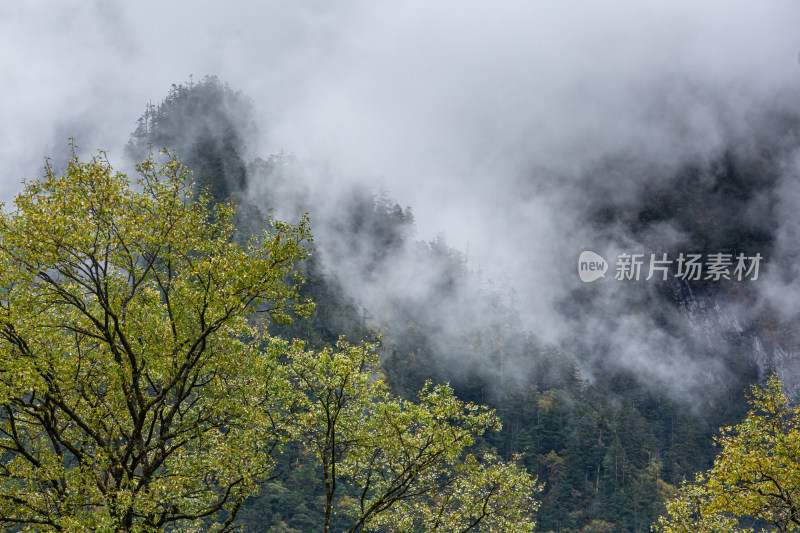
x=134, y=393
x=404, y=466
x=755, y=478
x=206, y=124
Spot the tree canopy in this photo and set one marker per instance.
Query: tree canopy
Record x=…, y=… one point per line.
x=131, y=379
x=755, y=480
x=140, y=390
x=206, y=124
x=407, y=464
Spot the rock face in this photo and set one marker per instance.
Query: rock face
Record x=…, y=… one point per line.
x=724, y=321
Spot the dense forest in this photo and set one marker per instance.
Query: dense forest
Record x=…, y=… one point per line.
x=610, y=450
x=400, y=267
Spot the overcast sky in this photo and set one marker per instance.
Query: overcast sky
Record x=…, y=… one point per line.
x=483, y=116
x=434, y=98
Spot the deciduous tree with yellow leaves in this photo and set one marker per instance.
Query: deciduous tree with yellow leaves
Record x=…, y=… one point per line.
x=407, y=465
x=133, y=385
x=755, y=478
x=139, y=393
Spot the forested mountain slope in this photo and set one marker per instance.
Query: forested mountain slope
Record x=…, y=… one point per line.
x=610, y=444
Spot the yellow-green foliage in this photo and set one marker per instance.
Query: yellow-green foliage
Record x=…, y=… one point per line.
x=131, y=381
x=137, y=392
x=755, y=476
x=408, y=461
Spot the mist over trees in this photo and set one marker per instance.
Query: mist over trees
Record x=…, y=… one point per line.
x=141, y=390
x=610, y=449
x=455, y=160
x=207, y=125
x=612, y=411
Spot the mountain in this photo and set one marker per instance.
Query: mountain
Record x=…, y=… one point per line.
x=614, y=415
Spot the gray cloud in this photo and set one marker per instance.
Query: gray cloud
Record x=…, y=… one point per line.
x=506, y=125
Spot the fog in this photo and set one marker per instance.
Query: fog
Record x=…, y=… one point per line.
x=510, y=127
